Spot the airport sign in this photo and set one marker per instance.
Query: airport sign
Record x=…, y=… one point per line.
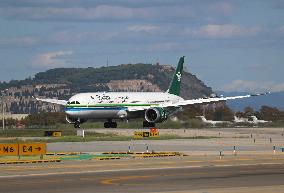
x=138, y=134
x=14, y=149
x=146, y=134
x=8, y=149
x=154, y=134
x=32, y=149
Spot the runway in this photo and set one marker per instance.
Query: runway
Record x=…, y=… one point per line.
x=157, y=175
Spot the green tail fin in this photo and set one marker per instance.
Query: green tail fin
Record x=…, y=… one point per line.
x=175, y=84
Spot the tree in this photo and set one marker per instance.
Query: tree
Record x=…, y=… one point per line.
x=248, y=111
x=223, y=114
x=44, y=119
x=271, y=113
x=190, y=112
x=240, y=114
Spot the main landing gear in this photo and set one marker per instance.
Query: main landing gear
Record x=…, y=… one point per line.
x=148, y=124
x=110, y=124
x=77, y=124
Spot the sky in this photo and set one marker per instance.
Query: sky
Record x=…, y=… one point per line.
x=229, y=45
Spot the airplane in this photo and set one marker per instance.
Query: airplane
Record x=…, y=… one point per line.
x=255, y=120
x=251, y=120
x=154, y=107
x=211, y=122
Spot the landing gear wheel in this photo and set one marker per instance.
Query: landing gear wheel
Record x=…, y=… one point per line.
x=106, y=125
x=110, y=124
x=113, y=125
x=77, y=125
x=148, y=124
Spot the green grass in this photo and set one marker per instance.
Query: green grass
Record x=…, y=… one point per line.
x=33, y=132
x=85, y=139
x=69, y=135
x=132, y=124
x=68, y=129
x=276, y=124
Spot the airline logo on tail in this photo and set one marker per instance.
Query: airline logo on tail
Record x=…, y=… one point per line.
x=178, y=76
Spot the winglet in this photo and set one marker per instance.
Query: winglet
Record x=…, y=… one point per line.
x=260, y=94
x=176, y=80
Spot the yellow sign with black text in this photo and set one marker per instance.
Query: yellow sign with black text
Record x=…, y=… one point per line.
x=146, y=134
x=138, y=134
x=8, y=149
x=12, y=149
x=32, y=149
x=154, y=134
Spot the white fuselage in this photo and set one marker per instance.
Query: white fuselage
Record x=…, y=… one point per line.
x=255, y=120
x=251, y=120
x=115, y=105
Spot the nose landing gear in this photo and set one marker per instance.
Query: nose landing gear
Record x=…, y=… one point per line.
x=77, y=124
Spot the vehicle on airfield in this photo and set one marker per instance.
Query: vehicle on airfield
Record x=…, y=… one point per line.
x=154, y=107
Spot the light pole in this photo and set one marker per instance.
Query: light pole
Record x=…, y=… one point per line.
x=3, y=113
x=3, y=118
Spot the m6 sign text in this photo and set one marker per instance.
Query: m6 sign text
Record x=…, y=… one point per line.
x=8, y=149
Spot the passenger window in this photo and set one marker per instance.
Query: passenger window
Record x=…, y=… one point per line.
x=77, y=102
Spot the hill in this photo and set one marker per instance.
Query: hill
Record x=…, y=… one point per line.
x=65, y=82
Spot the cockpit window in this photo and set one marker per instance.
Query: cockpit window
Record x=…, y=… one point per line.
x=73, y=102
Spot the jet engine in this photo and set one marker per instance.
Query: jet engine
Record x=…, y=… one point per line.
x=155, y=115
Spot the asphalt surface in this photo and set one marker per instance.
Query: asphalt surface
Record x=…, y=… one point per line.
x=207, y=174
x=218, y=139
x=183, y=145
x=254, y=167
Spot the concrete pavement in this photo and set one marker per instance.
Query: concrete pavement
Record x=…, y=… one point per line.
x=180, y=174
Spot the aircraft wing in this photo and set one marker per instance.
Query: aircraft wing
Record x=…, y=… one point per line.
x=207, y=100
x=54, y=101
